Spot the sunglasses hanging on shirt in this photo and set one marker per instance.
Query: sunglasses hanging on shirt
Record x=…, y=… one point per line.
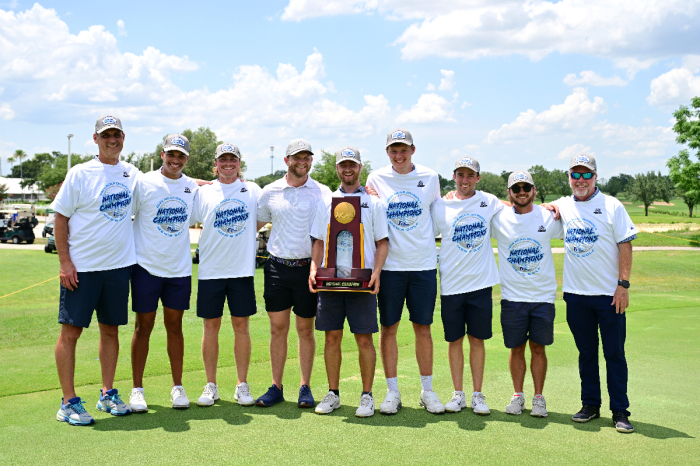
x=516, y=189
x=586, y=176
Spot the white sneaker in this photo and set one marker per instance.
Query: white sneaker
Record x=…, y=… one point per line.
x=391, y=404
x=366, y=408
x=516, y=405
x=179, y=398
x=479, y=404
x=328, y=404
x=242, y=395
x=539, y=407
x=137, y=401
x=430, y=401
x=458, y=401
x=209, y=396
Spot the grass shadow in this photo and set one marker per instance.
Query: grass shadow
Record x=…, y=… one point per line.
x=176, y=420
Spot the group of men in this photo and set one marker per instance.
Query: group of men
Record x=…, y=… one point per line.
x=101, y=254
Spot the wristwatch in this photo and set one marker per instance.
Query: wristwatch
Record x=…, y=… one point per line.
x=623, y=283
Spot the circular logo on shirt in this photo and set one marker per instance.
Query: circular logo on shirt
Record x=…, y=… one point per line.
x=171, y=217
x=525, y=256
x=403, y=210
x=116, y=199
x=581, y=235
x=469, y=232
x=230, y=217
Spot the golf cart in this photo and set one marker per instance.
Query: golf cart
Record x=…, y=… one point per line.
x=50, y=244
x=48, y=226
x=17, y=224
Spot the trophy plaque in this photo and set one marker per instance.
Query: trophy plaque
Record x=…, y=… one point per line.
x=345, y=230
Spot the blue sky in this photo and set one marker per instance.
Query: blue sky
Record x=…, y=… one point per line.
x=510, y=82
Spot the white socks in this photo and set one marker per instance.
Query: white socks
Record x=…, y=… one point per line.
x=519, y=393
x=392, y=384
x=427, y=382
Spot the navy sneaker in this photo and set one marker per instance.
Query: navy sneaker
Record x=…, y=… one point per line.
x=587, y=413
x=622, y=424
x=273, y=395
x=306, y=399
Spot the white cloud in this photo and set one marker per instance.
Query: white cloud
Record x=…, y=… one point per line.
x=576, y=111
x=466, y=104
x=572, y=150
x=6, y=112
x=594, y=79
x=447, y=83
x=121, y=28
x=430, y=108
x=677, y=86
x=430, y=87
x=633, y=33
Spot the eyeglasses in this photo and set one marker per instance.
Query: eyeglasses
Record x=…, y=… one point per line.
x=577, y=176
x=516, y=189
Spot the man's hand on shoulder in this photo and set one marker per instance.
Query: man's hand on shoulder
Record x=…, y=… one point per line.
x=371, y=191
x=552, y=208
x=202, y=182
x=450, y=195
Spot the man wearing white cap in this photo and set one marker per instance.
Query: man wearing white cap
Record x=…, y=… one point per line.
x=360, y=309
x=163, y=201
x=597, y=265
x=528, y=286
x=410, y=271
x=290, y=203
x=467, y=275
x=228, y=210
x=95, y=243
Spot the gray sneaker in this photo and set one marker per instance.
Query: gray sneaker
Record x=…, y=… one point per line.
x=516, y=405
x=112, y=403
x=74, y=413
x=539, y=407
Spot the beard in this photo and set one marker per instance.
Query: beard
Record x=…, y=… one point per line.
x=526, y=202
x=299, y=172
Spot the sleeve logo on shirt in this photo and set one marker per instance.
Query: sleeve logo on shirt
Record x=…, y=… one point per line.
x=126, y=175
x=403, y=210
x=542, y=229
x=525, y=256
x=187, y=190
x=230, y=218
x=581, y=235
x=171, y=216
x=483, y=204
x=597, y=211
x=116, y=199
x=469, y=232
x=421, y=185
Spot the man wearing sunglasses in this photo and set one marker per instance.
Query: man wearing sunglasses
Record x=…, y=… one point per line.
x=528, y=286
x=597, y=264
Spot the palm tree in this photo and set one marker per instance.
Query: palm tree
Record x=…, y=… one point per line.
x=12, y=163
x=18, y=155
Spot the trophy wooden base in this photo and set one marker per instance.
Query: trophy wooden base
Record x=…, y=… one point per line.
x=358, y=280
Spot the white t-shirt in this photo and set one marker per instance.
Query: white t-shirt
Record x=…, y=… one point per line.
x=162, y=209
x=98, y=199
x=291, y=211
x=592, y=231
x=525, y=259
x=409, y=199
x=372, y=216
x=467, y=262
x=228, y=213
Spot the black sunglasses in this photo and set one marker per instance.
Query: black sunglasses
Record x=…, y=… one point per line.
x=516, y=189
x=586, y=176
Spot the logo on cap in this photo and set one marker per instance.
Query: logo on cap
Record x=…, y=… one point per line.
x=348, y=153
x=466, y=160
x=520, y=177
x=301, y=144
x=108, y=120
x=582, y=158
x=227, y=147
x=178, y=142
x=398, y=135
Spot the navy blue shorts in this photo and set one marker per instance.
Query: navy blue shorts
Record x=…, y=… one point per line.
x=417, y=288
x=522, y=321
x=288, y=287
x=240, y=293
x=146, y=289
x=104, y=291
x=359, y=308
x=467, y=313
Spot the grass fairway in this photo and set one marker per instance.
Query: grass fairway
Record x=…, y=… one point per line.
x=663, y=352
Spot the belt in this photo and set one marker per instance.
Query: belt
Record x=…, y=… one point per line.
x=292, y=262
